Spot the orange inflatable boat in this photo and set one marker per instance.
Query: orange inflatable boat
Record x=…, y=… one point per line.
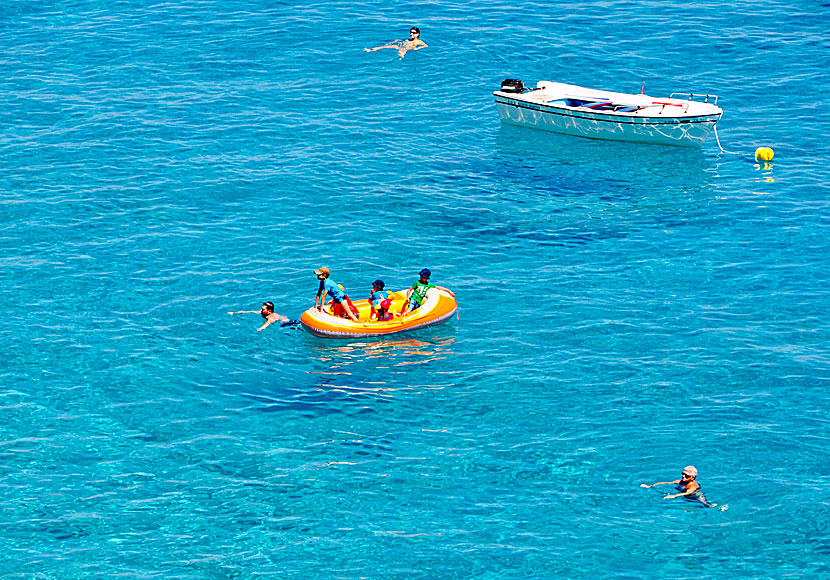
x=437, y=307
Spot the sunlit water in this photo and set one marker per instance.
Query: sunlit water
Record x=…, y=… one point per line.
x=625, y=310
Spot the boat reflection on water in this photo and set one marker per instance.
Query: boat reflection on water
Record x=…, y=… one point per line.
x=568, y=166
x=352, y=376
x=577, y=151
x=383, y=353
x=380, y=366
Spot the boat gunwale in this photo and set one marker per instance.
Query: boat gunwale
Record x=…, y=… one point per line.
x=344, y=334
x=628, y=118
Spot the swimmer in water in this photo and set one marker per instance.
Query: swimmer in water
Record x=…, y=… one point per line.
x=687, y=487
x=267, y=312
x=414, y=42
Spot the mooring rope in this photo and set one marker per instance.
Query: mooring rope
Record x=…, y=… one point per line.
x=720, y=146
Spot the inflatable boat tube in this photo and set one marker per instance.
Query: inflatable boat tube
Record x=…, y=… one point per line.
x=437, y=307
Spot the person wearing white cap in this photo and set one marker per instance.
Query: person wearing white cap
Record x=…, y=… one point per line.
x=686, y=486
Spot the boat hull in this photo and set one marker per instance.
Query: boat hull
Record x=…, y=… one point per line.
x=666, y=122
x=438, y=307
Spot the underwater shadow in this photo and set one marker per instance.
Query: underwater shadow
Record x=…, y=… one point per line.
x=567, y=166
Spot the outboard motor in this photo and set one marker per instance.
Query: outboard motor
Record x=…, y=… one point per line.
x=512, y=86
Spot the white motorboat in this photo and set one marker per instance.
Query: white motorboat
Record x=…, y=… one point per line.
x=683, y=119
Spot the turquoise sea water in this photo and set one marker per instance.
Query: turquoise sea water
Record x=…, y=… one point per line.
x=625, y=310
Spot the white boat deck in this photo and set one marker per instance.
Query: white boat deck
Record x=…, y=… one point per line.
x=640, y=105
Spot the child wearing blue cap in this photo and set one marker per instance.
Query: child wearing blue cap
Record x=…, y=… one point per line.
x=415, y=295
x=377, y=296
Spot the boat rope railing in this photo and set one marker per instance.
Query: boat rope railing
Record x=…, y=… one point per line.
x=691, y=96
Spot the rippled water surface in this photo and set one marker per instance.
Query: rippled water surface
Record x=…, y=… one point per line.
x=625, y=310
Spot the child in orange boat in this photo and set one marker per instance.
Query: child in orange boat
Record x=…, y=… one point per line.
x=416, y=295
x=338, y=296
x=382, y=312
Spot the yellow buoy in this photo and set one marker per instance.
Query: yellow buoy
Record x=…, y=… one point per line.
x=764, y=154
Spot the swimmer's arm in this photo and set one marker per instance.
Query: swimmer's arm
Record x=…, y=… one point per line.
x=673, y=495
x=390, y=45
x=406, y=301
x=420, y=46
x=245, y=312
x=689, y=491
x=272, y=318
x=659, y=483
x=275, y=317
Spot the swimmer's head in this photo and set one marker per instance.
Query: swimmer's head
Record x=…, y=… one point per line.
x=324, y=272
x=414, y=30
x=690, y=471
x=378, y=284
x=267, y=309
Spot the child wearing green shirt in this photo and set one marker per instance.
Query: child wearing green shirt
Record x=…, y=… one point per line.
x=415, y=295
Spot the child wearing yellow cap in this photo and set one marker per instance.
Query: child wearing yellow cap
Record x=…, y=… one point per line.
x=340, y=302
